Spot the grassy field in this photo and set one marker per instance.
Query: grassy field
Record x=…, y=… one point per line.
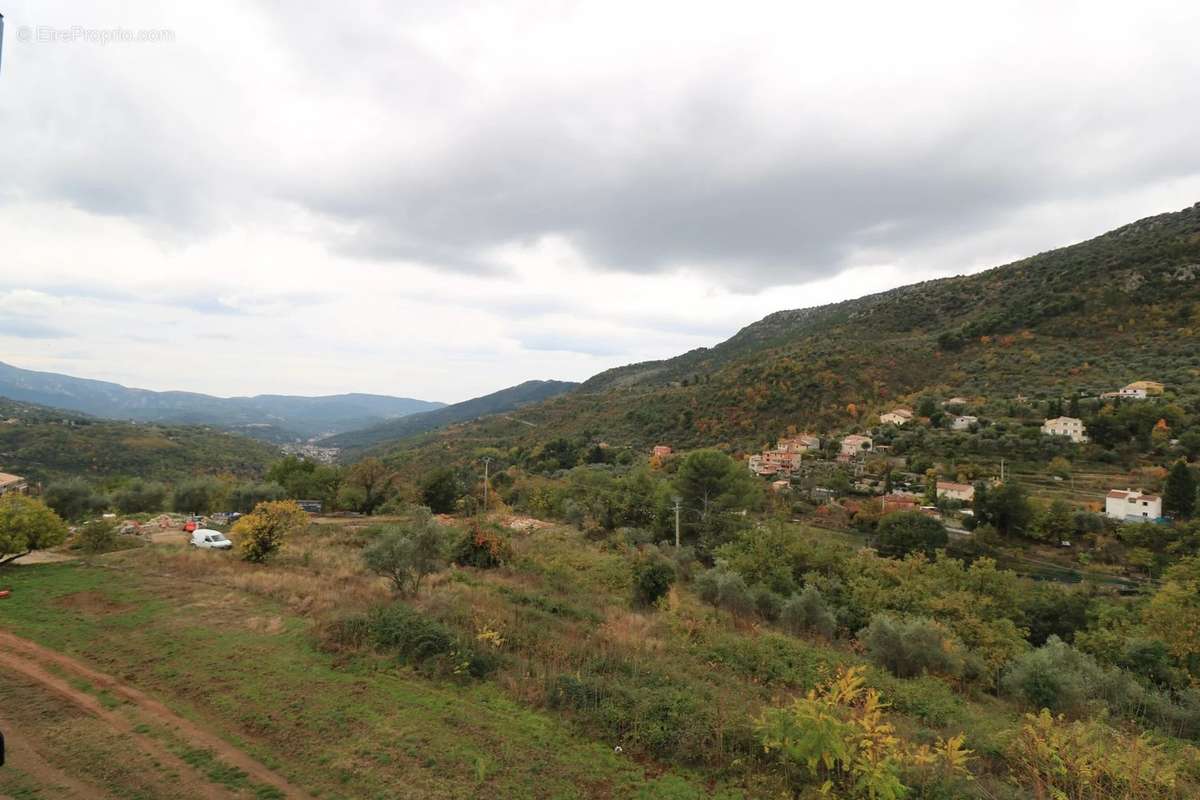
x=243, y=665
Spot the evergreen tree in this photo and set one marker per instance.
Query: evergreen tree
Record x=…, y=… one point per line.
x=1180, y=496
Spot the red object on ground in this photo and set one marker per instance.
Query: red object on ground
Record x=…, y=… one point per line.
x=5, y=593
x=189, y=526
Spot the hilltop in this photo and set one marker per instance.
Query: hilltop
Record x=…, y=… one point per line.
x=271, y=417
x=1085, y=318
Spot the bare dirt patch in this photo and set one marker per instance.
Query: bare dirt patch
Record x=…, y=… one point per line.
x=91, y=602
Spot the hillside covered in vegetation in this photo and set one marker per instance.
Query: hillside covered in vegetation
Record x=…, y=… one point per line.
x=44, y=444
x=1081, y=320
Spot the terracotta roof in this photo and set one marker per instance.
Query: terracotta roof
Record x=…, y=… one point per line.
x=956, y=487
x=6, y=479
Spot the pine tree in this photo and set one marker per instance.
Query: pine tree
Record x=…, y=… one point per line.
x=1180, y=496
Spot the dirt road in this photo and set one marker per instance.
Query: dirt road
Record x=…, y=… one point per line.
x=130, y=719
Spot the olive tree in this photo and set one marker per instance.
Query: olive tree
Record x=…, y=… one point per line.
x=406, y=552
x=26, y=524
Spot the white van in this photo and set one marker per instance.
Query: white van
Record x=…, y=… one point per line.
x=210, y=540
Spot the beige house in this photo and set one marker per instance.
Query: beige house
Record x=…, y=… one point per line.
x=897, y=416
x=962, y=422
x=956, y=491
x=1070, y=427
x=854, y=445
x=12, y=483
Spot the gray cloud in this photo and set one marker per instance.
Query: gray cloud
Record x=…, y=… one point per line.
x=25, y=328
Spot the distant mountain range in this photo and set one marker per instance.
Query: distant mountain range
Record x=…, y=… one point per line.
x=499, y=402
x=274, y=418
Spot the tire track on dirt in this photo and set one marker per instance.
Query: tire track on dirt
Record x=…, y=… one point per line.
x=22, y=655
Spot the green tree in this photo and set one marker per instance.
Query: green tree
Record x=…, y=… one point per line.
x=713, y=488
x=198, y=496
x=1054, y=522
x=97, y=536
x=245, y=496
x=407, y=552
x=807, y=612
x=27, y=524
x=440, y=491
x=1179, y=498
x=262, y=532
x=74, y=499
x=904, y=532
x=911, y=647
x=1008, y=509
x=375, y=481
x=653, y=577
x=138, y=496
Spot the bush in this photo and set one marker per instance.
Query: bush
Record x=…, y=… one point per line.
x=907, y=648
x=414, y=637
x=807, y=612
x=97, y=536
x=483, y=547
x=261, y=532
x=26, y=524
x=733, y=596
x=768, y=604
x=653, y=577
x=407, y=552
x=1055, y=676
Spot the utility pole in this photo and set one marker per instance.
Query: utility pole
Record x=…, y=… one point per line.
x=678, y=500
x=486, y=462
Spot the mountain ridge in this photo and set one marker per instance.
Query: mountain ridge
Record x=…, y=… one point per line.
x=508, y=399
x=288, y=415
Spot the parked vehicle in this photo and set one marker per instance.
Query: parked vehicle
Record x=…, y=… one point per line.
x=193, y=523
x=205, y=539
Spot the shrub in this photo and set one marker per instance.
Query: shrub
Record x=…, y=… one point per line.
x=733, y=595
x=839, y=735
x=1089, y=759
x=407, y=552
x=261, y=532
x=414, y=637
x=245, y=497
x=97, y=536
x=768, y=604
x=911, y=647
x=807, y=612
x=1055, y=676
x=483, y=547
x=653, y=577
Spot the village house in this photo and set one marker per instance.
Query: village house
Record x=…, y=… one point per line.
x=853, y=446
x=954, y=401
x=660, y=451
x=804, y=443
x=897, y=416
x=1149, y=387
x=1132, y=505
x=12, y=483
x=1066, y=426
x=956, y=491
x=1138, y=390
x=962, y=422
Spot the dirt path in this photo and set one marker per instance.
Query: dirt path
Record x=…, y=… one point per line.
x=31, y=659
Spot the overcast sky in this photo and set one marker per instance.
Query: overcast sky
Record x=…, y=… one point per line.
x=438, y=200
